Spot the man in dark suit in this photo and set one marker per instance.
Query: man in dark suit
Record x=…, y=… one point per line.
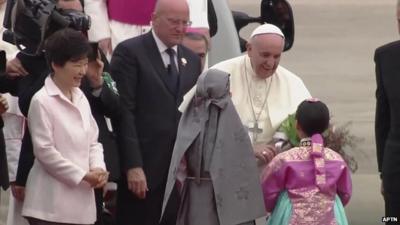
x=4, y=182
x=387, y=124
x=153, y=72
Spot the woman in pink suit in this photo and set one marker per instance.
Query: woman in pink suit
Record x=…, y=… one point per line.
x=68, y=159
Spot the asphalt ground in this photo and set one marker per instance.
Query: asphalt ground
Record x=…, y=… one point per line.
x=333, y=54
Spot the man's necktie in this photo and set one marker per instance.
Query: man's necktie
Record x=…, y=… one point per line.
x=172, y=72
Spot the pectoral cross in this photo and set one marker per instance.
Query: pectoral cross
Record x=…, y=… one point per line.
x=255, y=130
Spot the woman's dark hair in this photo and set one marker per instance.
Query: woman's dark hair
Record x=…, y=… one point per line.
x=66, y=45
x=313, y=117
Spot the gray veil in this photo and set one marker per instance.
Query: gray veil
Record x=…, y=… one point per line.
x=211, y=124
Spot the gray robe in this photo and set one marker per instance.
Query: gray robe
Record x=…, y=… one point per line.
x=222, y=186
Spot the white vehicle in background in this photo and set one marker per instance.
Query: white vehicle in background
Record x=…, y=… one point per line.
x=226, y=43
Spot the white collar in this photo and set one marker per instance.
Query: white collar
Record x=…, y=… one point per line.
x=160, y=45
x=53, y=90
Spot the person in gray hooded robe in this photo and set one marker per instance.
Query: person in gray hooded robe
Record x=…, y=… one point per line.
x=213, y=161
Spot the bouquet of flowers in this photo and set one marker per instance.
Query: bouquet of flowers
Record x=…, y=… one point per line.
x=338, y=139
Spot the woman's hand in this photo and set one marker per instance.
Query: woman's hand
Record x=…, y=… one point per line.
x=3, y=104
x=92, y=178
x=96, y=177
x=103, y=177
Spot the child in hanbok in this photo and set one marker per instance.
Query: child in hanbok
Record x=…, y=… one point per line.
x=309, y=184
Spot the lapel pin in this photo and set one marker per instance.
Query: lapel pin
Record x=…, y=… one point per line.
x=184, y=62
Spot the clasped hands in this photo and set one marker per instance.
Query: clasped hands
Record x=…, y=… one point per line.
x=96, y=177
x=3, y=104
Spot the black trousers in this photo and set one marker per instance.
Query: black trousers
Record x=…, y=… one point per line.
x=134, y=211
x=4, y=181
x=391, y=186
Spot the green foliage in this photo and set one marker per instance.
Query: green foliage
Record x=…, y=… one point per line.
x=338, y=139
x=289, y=128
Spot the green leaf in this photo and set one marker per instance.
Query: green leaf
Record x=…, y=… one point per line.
x=288, y=126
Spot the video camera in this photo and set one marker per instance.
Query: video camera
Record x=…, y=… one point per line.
x=30, y=22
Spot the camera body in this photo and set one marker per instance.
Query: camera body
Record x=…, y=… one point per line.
x=30, y=22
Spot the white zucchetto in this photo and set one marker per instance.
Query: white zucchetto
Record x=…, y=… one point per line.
x=267, y=28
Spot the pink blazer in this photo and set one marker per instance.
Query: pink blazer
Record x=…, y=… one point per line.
x=64, y=137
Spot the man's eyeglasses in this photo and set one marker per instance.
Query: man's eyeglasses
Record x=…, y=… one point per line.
x=177, y=22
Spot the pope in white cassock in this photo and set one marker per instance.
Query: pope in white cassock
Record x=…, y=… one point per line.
x=263, y=92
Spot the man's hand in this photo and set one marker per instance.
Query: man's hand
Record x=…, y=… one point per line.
x=3, y=104
x=105, y=45
x=14, y=68
x=264, y=153
x=18, y=191
x=137, y=182
x=95, y=72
